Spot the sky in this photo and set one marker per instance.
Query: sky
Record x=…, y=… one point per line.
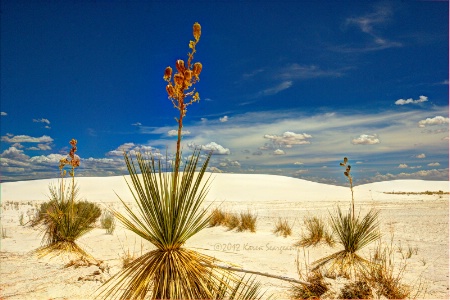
x=287, y=87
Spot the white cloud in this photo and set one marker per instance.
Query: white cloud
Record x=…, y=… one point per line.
x=298, y=163
x=279, y=152
x=366, y=139
x=52, y=159
x=137, y=124
x=276, y=89
x=212, y=146
x=422, y=155
x=296, y=71
x=402, y=166
x=438, y=120
x=174, y=132
x=411, y=101
x=3, y=113
x=235, y=163
x=26, y=139
x=289, y=138
x=435, y=164
x=223, y=119
x=41, y=121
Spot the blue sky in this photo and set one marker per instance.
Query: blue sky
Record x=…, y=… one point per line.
x=287, y=87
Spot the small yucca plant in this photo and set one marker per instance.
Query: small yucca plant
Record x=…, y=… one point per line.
x=353, y=233
x=64, y=218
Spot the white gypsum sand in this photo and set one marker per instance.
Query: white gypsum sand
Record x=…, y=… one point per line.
x=418, y=221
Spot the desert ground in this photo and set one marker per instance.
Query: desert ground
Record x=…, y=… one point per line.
x=417, y=221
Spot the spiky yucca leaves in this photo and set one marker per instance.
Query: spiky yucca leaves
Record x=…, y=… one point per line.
x=65, y=220
x=353, y=233
x=168, y=213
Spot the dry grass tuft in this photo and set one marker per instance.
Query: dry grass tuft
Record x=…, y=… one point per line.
x=218, y=217
x=248, y=222
x=317, y=286
x=232, y=221
x=283, y=228
x=316, y=232
x=383, y=274
x=356, y=290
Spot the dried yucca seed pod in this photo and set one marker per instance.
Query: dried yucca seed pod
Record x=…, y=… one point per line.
x=178, y=78
x=170, y=90
x=197, y=69
x=197, y=31
x=345, y=160
x=167, y=73
x=180, y=66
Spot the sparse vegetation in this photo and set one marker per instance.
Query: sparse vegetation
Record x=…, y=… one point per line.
x=385, y=275
x=316, y=232
x=242, y=222
x=282, y=227
x=315, y=289
x=418, y=193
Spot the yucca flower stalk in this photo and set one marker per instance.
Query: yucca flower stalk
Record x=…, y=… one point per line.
x=350, y=180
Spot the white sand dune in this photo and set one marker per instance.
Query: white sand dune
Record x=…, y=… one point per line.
x=417, y=220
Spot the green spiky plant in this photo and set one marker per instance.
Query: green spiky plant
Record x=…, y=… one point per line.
x=353, y=233
x=169, y=212
x=64, y=218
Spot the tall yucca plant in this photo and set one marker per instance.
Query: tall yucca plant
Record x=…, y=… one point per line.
x=169, y=212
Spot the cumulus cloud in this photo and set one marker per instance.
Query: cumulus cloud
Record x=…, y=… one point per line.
x=174, y=132
x=3, y=113
x=223, y=119
x=411, y=101
x=366, y=139
x=402, y=166
x=279, y=152
x=137, y=124
x=421, y=155
x=288, y=139
x=213, y=146
x=438, y=120
x=132, y=149
x=435, y=164
x=26, y=139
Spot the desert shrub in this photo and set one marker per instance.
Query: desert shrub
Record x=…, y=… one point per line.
x=283, y=228
x=356, y=290
x=316, y=232
x=247, y=222
x=108, y=222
